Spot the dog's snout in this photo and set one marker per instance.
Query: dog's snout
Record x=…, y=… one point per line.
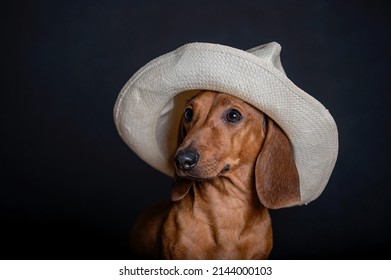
x=186, y=159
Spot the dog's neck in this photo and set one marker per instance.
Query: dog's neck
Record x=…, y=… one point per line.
x=228, y=208
x=237, y=186
x=224, y=195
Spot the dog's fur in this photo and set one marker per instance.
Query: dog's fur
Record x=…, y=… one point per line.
x=240, y=167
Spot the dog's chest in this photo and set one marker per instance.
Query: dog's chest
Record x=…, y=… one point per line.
x=218, y=236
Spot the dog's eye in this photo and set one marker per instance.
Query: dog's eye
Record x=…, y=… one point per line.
x=234, y=116
x=188, y=114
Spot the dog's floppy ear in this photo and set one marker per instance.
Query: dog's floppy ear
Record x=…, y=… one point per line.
x=276, y=175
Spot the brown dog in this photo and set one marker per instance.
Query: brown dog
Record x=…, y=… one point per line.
x=233, y=163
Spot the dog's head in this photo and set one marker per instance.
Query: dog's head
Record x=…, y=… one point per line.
x=221, y=135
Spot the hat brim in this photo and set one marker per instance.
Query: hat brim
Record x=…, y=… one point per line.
x=148, y=109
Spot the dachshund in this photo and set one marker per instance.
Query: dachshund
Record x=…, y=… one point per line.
x=233, y=163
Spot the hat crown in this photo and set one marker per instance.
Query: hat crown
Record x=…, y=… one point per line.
x=269, y=53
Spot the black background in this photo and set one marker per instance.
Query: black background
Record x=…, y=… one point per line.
x=70, y=188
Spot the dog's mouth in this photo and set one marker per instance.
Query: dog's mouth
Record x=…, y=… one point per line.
x=198, y=175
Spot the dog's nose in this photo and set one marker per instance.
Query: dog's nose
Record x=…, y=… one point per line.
x=186, y=159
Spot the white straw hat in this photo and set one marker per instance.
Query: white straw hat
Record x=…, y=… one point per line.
x=149, y=107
